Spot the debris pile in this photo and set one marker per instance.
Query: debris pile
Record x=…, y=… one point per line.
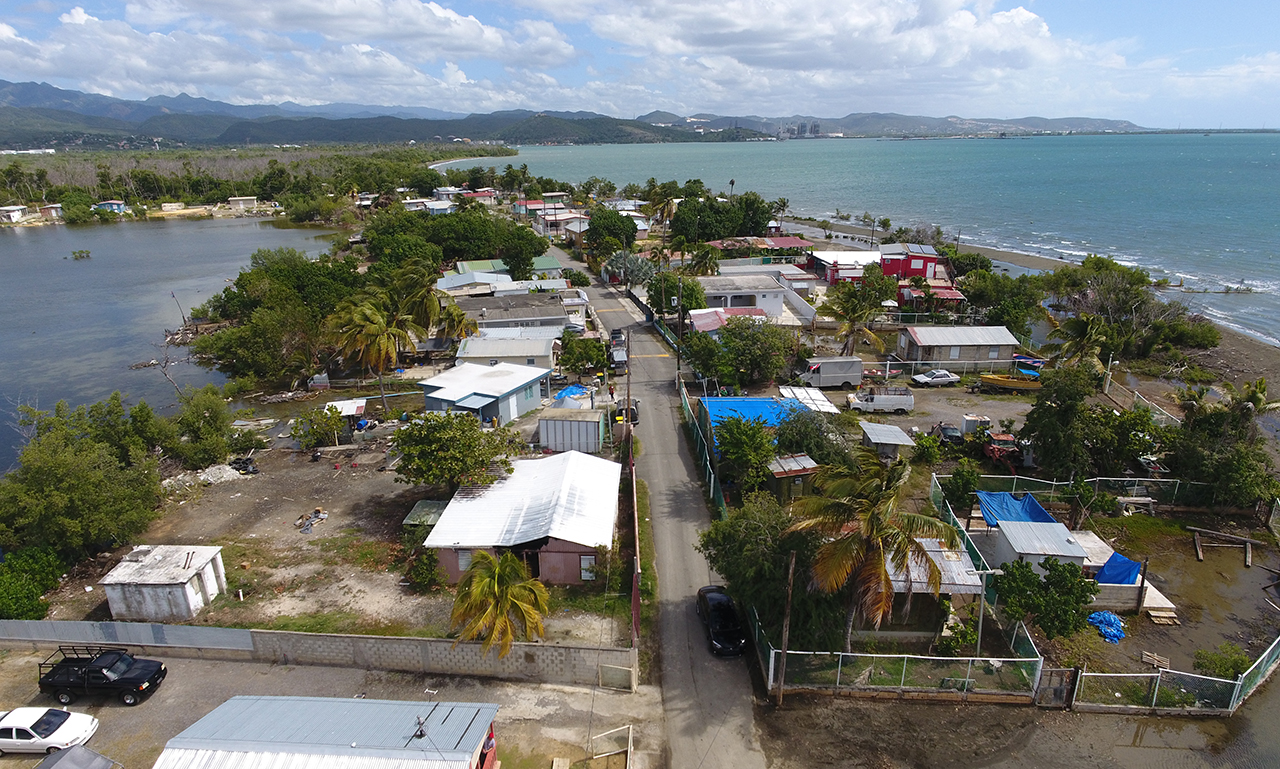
x=305, y=522
x=1109, y=626
x=243, y=465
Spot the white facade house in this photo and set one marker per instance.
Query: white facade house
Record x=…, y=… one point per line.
x=430, y=205
x=164, y=583
x=1034, y=541
x=744, y=291
x=242, y=203
x=12, y=214
x=498, y=393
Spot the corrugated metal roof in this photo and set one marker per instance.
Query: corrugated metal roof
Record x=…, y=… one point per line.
x=792, y=464
x=522, y=332
x=885, y=434
x=312, y=732
x=425, y=512
x=1041, y=539
x=160, y=565
x=570, y=414
x=521, y=347
x=811, y=397
x=933, y=336
x=721, y=283
x=570, y=496
x=954, y=565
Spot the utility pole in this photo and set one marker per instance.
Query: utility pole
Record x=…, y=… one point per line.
x=630, y=414
x=679, y=320
x=786, y=628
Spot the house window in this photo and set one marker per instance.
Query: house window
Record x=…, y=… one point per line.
x=464, y=560
x=528, y=391
x=993, y=353
x=586, y=567
x=955, y=352
x=917, y=264
x=530, y=361
x=493, y=361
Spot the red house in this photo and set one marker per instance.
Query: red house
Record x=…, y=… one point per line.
x=907, y=260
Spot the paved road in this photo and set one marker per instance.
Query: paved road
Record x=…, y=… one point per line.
x=708, y=701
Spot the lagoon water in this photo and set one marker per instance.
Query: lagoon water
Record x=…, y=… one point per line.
x=70, y=329
x=1201, y=209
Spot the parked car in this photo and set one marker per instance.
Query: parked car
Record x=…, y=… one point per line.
x=631, y=412
x=43, y=730
x=899, y=400
x=947, y=433
x=77, y=671
x=936, y=378
x=725, y=636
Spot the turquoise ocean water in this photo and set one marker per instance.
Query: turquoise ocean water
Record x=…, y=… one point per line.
x=1201, y=209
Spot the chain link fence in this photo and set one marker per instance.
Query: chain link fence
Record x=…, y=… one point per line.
x=1170, y=491
x=702, y=453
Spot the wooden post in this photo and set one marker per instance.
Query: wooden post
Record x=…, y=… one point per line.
x=1142, y=584
x=1199, y=547
x=786, y=628
x=1248, y=555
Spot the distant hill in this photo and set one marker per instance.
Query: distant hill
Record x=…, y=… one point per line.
x=37, y=114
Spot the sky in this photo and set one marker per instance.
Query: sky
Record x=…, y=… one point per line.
x=1158, y=63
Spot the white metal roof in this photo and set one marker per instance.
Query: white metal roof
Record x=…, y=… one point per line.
x=330, y=733
x=1098, y=552
x=522, y=332
x=447, y=282
x=933, y=336
x=885, y=434
x=160, y=565
x=348, y=408
x=570, y=496
x=487, y=347
x=811, y=397
x=472, y=379
x=792, y=464
x=954, y=565
x=719, y=284
x=1041, y=539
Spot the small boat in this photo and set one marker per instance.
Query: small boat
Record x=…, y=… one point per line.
x=1008, y=382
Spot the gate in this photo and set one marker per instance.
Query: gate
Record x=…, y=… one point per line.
x=1057, y=686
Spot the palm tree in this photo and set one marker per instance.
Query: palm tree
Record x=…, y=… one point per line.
x=372, y=328
x=455, y=323
x=1081, y=342
x=705, y=260
x=865, y=534
x=498, y=602
x=850, y=306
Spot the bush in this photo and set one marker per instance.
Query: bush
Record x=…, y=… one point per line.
x=576, y=278
x=244, y=441
x=25, y=576
x=1229, y=661
x=318, y=427
x=928, y=450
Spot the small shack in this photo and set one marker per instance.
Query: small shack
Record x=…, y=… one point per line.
x=792, y=476
x=887, y=440
x=554, y=513
x=164, y=583
x=1033, y=541
x=252, y=732
x=956, y=343
x=242, y=203
x=425, y=512
x=573, y=429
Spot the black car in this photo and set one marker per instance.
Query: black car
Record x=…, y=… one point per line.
x=630, y=413
x=75, y=671
x=725, y=636
x=947, y=433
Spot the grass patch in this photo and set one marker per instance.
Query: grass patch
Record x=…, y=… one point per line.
x=1082, y=649
x=1138, y=533
x=367, y=554
x=347, y=623
x=648, y=584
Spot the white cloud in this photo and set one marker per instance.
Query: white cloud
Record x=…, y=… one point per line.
x=76, y=16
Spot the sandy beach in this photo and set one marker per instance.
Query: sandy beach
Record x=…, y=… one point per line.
x=1238, y=358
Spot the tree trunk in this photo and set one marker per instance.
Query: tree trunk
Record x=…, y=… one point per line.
x=849, y=619
x=383, y=389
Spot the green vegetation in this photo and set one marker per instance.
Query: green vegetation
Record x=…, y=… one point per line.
x=1228, y=661
x=318, y=427
x=701, y=217
x=820, y=436
x=25, y=576
x=607, y=223
x=1220, y=443
x=748, y=351
x=498, y=603
x=581, y=356
x=1058, y=600
x=745, y=449
x=668, y=288
x=855, y=512
x=576, y=278
x=855, y=305
x=452, y=450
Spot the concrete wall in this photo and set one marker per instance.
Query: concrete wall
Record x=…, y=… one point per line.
x=542, y=663
x=153, y=603
x=541, y=361
x=942, y=353
x=768, y=300
x=1116, y=598
x=798, y=305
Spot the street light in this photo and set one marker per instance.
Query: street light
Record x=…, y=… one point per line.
x=982, y=601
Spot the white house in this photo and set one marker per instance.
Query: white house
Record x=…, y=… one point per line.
x=1033, y=541
x=498, y=393
x=164, y=583
x=12, y=214
x=242, y=203
x=487, y=351
x=744, y=291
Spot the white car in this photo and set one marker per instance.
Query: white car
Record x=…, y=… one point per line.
x=936, y=378
x=43, y=730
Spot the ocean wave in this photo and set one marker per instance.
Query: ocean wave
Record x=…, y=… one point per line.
x=1271, y=340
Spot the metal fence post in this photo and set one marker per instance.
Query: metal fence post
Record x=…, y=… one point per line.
x=839, y=669
x=1075, y=691
x=968, y=675
x=1155, y=691
x=903, y=683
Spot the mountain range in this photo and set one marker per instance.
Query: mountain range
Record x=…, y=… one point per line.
x=41, y=115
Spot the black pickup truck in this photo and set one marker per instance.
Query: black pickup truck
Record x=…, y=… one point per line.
x=74, y=671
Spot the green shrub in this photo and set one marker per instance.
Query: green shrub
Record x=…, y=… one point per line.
x=25, y=576
x=318, y=427
x=1229, y=661
x=928, y=450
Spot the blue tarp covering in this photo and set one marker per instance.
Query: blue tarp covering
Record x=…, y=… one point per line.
x=1119, y=570
x=1000, y=506
x=771, y=410
x=570, y=391
x=1109, y=626
x=1028, y=372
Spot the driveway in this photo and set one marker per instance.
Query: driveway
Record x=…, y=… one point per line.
x=708, y=702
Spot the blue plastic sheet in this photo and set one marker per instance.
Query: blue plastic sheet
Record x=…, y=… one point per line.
x=570, y=391
x=1119, y=570
x=1109, y=626
x=1000, y=506
x=771, y=410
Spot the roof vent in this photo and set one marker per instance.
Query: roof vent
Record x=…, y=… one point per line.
x=139, y=553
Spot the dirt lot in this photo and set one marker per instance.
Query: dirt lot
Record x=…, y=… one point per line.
x=343, y=577
x=535, y=723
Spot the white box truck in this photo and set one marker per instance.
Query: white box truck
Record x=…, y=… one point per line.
x=833, y=372
x=896, y=399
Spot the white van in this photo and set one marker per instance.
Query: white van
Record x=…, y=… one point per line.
x=896, y=399
x=845, y=371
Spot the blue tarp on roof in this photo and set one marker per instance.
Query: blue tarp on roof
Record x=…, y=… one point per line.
x=1119, y=570
x=771, y=410
x=570, y=391
x=1002, y=506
